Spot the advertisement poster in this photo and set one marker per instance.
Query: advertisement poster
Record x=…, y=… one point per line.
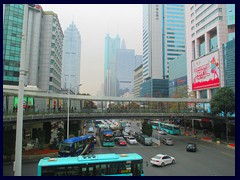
x=205, y=72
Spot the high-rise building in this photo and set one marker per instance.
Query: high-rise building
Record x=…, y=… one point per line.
x=125, y=71
x=71, y=59
x=44, y=40
x=229, y=63
x=163, y=41
x=51, y=48
x=12, y=37
x=206, y=32
x=178, y=77
x=111, y=47
x=231, y=21
x=138, y=80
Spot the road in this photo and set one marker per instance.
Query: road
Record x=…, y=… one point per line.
x=210, y=159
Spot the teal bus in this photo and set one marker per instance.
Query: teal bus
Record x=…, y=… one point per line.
x=76, y=146
x=92, y=165
x=107, y=138
x=170, y=128
x=155, y=125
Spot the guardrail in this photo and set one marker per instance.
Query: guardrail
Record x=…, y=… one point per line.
x=10, y=119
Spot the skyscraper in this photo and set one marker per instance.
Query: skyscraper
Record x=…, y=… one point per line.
x=111, y=47
x=163, y=41
x=206, y=32
x=51, y=48
x=125, y=70
x=12, y=38
x=71, y=59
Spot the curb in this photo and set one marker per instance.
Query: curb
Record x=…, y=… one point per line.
x=231, y=146
x=206, y=139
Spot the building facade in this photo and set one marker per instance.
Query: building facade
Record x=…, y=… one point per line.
x=51, y=48
x=229, y=63
x=125, y=71
x=138, y=80
x=111, y=47
x=71, y=59
x=206, y=31
x=163, y=40
x=12, y=38
x=178, y=77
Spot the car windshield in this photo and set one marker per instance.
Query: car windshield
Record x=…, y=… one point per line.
x=157, y=157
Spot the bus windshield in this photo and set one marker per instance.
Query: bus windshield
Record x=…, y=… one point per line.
x=65, y=147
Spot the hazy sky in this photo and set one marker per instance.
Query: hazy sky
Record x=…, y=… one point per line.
x=94, y=21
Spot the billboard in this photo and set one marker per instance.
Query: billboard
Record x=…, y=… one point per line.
x=205, y=72
x=26, y=101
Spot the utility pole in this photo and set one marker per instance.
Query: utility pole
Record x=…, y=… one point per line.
x=17, y=166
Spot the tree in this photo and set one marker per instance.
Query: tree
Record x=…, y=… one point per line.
x=147, y=127
x=223, y=102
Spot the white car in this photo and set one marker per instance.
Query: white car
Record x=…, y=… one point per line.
x=162, y=160
x=131, y=140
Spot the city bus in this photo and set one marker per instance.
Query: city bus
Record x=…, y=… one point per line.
x=170, y=128
x=92, y=165
x=156, y=125
x=107, y=138
x=76, y=146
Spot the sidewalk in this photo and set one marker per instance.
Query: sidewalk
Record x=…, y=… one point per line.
x=209, y=138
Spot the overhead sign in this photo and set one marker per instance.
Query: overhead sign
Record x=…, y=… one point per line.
x=205, y=72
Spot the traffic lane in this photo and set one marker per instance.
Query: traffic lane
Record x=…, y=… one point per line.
x=208, y=160
x=208, y=156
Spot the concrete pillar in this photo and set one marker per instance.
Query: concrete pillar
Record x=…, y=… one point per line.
x=207, y=38
x=209, y=94
x=198, y=95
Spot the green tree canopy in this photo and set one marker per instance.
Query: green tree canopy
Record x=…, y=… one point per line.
x=223, y=102
x=147, y=128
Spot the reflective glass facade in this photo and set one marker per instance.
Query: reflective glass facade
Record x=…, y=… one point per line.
x=12, y=37
x=155, y=88
x=110, y=81
x=229, y=63
x=173, y=33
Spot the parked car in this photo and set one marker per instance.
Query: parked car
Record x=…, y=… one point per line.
x=131, y=140
x=137, y=135
x=162, y=160
x=145, y=140
x=90, y=129
x=125, y=135
x=167, y=141
x=191, y=147
x=121, y=141
x=162, y=132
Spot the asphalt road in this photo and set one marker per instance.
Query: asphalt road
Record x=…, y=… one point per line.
x=210, y=159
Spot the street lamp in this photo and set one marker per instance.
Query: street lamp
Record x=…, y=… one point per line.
x=17, y=166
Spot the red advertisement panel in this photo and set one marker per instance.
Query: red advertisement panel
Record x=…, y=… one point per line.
x=205, y=72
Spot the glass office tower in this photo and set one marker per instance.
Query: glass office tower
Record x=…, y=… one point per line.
x=163, y=41
x=111, y=47
x=71, y=58
x=12, y=38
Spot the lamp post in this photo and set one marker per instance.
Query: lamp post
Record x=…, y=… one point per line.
x=68, y=104
x=17, y=166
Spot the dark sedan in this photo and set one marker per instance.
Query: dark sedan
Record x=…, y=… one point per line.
x=191, y=147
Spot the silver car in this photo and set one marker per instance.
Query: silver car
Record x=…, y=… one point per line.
x=167, y=141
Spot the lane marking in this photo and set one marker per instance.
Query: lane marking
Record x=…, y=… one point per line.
x=228, y=154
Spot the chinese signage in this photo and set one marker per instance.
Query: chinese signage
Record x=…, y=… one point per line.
x=205, y=72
